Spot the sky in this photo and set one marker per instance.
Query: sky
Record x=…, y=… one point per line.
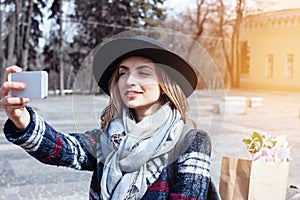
x=285, y=4
x=180, y=5
x=279, y=4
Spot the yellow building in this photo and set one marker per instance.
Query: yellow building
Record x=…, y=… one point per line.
x=270, y=48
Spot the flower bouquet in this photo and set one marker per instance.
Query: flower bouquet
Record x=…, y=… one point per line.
x=263, y=147
x=263, y=175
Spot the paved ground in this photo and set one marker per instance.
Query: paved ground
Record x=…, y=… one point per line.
x=22, y=177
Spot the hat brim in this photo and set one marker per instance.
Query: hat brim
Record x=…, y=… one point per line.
x=113, y=52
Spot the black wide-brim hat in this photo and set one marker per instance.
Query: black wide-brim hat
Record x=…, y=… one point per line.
x=111, y=53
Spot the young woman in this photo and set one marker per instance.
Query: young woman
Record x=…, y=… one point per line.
x=147, y=146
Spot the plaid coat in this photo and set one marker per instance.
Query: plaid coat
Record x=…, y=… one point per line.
x=188, y=177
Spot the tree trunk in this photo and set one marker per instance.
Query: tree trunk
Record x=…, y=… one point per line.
x=239, y=16
x=2, y=58
x=11, y=41
x=237, y=57
x=24, y=56
x=61, y=67
x=232, y=49
x=17, y=28
x=228, y=75
x=232, y=57
x=69, y=77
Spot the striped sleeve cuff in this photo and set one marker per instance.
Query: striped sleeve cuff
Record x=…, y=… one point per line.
x=194, y=163
x=31, y=137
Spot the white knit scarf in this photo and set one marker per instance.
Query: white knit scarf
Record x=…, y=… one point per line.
x=137, y=161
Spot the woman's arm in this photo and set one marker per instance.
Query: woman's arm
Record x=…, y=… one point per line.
x=28, y=130
x=43, y=142
x=192, y=177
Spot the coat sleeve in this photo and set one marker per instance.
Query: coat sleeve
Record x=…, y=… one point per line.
x=49, y=146
x=192, y=174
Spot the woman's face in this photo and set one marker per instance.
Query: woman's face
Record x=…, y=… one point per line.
x=138, y=86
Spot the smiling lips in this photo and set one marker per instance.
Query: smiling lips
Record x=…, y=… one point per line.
x=132, y=93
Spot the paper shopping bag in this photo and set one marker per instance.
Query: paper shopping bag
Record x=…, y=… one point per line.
x=246, y=179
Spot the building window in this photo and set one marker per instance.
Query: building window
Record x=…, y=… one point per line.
x=289, y=65
x=245, y=58
x=270, y=65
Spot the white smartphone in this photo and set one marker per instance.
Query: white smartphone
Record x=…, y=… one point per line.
x=36, y=84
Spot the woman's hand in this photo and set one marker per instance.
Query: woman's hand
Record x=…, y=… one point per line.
x=14, y=106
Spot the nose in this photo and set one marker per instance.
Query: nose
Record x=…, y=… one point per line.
x=131, y=79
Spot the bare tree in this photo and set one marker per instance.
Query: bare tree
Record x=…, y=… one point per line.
x=26, y=36
x=201, y=16
x=22, y=33
x=61, y=64
x=2, y=57
x=228, y=32
x=239, y=16
x=200, y=22
x=228, y=54
x=229, y=27
x=11, y=37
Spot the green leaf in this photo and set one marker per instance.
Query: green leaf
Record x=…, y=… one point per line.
x=258, y=136
x=247, y=141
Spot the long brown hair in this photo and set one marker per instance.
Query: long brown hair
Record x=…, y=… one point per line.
x=170, y=93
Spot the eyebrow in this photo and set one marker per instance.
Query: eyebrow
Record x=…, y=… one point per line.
x=139, y=67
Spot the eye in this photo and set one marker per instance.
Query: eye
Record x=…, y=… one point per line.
x=122, y=72
x=144, y=73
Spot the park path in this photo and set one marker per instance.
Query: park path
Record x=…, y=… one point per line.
x=22, y=177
